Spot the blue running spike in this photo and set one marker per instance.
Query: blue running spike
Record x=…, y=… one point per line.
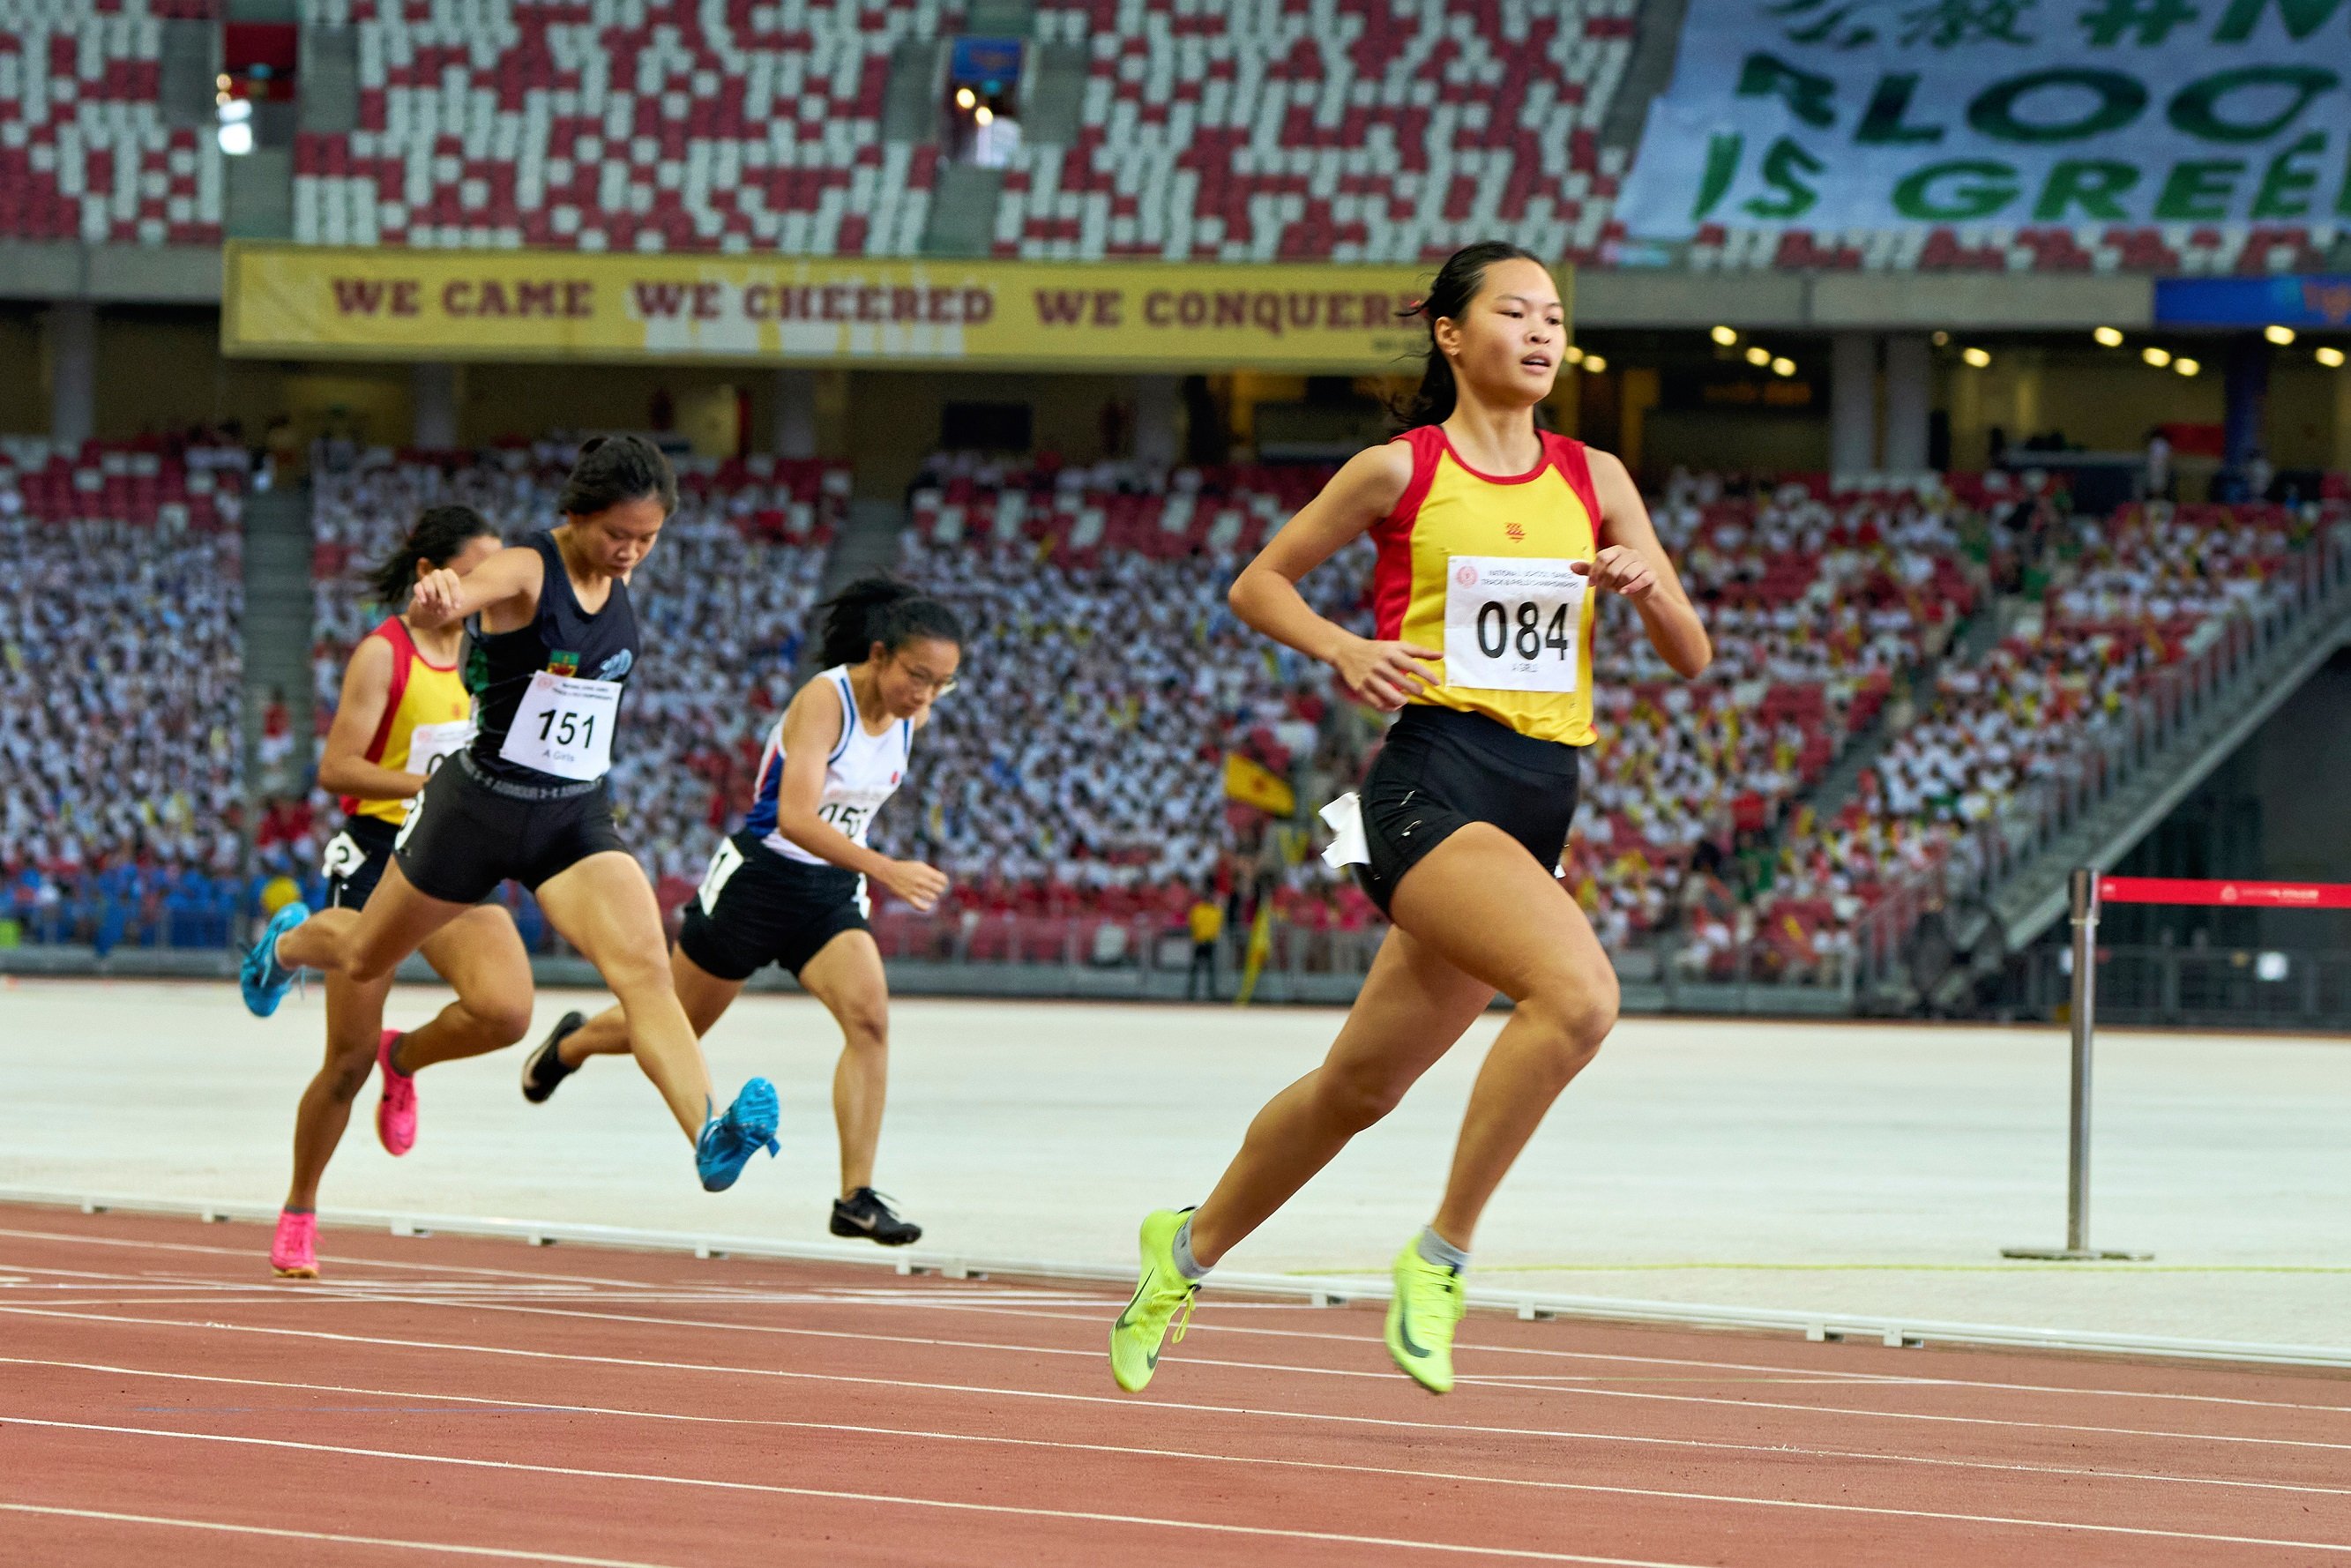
x=729, y=1142
x=261, y=977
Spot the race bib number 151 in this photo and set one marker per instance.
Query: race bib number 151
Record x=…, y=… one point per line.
x=564, y=726
x=1513, y=623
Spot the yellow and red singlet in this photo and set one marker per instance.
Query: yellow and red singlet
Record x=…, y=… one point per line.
x=1478, y=565
x=427, y=715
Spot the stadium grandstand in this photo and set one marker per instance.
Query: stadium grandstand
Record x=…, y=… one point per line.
x=1982, y=561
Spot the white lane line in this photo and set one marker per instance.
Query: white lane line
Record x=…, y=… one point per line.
x=1891, y=1379
x=446, y=1548
x=897, y=1501
x=536, y=1407
x=1129, y=1403
x=1854, y=1412
x=944, y=1293
x=251, y=1254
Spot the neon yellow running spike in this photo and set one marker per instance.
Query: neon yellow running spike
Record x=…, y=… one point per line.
x=1421, y=1315
x=1159, y=1291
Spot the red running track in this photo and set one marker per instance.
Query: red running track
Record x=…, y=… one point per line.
x=449, y=1400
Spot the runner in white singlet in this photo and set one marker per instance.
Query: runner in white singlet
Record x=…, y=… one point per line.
x=789, y=888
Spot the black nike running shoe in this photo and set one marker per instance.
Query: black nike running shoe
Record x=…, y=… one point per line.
x=867, y=1213
x=545, y=1068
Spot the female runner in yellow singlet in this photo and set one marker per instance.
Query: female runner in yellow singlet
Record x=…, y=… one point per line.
x=1494, y=539
x=404, y=711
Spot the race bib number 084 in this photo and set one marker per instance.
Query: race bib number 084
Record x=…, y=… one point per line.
x=1513, y=623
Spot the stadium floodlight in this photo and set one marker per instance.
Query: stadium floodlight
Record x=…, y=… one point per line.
x=2281, y=335
x=235, y=111
x=966, y=97
x=1757, y=354
x=2108, y=337
x=2186, y=367
x=1979, y=358
x=1725, y=336
x=2157, y=356
x=1572, y=354
x=2271, y=966
x=2331, y=357
x=1783, y=366
x=237, y=138
x=983, y=115
x=1595, y=364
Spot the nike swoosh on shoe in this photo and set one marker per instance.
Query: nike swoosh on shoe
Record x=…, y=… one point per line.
x=1404, y=1331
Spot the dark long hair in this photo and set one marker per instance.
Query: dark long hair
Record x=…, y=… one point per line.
x=615, y=469
x=883, y=609
x=439, y=534
x=1457, y=283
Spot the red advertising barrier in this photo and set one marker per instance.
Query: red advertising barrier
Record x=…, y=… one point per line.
x=2228, y=895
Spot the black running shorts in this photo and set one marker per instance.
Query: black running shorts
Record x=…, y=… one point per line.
x=756, y=907
x=355, y=861
x=467, y=837
x=1442, y=770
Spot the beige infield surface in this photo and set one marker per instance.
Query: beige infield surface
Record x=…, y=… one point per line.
x=1815, y=1167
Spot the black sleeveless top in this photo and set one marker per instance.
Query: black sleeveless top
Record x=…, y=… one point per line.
x=561, y=638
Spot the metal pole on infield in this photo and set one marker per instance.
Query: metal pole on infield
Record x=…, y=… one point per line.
x=2083, y=902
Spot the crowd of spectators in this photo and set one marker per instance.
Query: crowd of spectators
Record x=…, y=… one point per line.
x=120, y=664
x=1082, y=761
x=723, y=599
x=1082, y=767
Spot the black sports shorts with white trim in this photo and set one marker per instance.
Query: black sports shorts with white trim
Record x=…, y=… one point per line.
x=466, y=837
x=1442, y=770
x=756, y=907
x=355, y=861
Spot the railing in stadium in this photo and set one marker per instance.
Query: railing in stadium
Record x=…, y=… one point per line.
x=2087, y=892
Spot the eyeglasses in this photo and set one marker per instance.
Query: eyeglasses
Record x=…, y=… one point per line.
x=937, y=686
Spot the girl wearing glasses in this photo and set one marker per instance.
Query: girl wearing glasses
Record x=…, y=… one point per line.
x=789, y=888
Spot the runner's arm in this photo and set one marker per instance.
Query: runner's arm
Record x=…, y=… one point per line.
x=810, y=732
x=1266, y=593
x=344, y=768
x=1633, y=563
x=508, y=580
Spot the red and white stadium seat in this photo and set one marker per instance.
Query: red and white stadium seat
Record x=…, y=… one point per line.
x=85, y=154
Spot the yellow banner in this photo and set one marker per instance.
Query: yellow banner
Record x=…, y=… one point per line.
x=1254, y=784
x=311, y=301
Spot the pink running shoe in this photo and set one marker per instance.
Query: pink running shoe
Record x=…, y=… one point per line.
x=395, y=1112
x=294, y=1252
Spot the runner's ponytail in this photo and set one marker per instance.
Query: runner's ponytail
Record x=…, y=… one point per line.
x=440, y=533
x=883, y=609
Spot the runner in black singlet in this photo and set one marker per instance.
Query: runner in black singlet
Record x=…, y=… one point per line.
x=553, y=642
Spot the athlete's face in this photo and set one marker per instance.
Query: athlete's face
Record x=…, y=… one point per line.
x=474, y=551
x=912, y=677
x=617, y=538
x=1507, y=343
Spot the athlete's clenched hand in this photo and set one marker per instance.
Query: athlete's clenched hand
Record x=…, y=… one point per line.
x=1620, y=569
x=436, y=598
x=917, y=884
x=1384, y=675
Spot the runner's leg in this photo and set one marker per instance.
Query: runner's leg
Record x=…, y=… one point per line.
x=354, y=1024
x=847, y=976
x=705, y=997
x=603, y=907
x=481, y=955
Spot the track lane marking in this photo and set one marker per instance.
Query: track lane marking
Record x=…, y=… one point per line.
x=508, y=1407
x=892, y=1499
x=1776, y=1450
x=946, y=1295
x=444, y=1548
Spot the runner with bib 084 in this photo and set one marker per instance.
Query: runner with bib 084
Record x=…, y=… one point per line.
x=1495, y=541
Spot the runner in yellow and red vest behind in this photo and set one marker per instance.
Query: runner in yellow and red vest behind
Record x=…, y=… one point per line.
x=1496, y=540
x=404, y=710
